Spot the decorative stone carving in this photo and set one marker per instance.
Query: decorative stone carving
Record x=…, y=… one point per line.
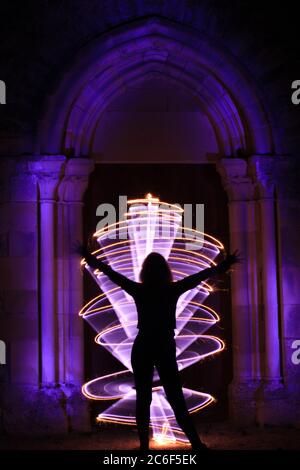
x=236, y=181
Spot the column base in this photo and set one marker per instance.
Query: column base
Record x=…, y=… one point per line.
x=276, y=405
x=263, y=403
x=49, y=410
x=242, y=402
x=77, y=409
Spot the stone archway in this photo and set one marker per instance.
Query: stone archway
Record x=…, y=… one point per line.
x=155, y=47
x=230, y=100
x=228, y=97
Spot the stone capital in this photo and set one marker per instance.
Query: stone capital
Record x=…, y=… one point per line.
x=263, y=170
x=48, y=170
x=236, y=181
x=279, y=171
x=75, y=180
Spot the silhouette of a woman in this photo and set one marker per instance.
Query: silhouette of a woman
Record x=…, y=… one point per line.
x=156, y=297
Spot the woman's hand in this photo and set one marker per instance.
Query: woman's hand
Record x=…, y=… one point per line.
x=233, y=258
x=81, y=250
x=90, y=259
x=230, y=259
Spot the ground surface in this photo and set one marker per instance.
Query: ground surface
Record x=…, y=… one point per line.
x=216, y=436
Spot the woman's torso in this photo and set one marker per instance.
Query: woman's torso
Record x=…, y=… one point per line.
x=156, y=308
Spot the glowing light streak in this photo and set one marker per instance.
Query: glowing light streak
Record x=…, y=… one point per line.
x=150, y=225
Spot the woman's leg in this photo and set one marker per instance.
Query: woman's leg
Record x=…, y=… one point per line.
x=167, y=368
x=143, y=366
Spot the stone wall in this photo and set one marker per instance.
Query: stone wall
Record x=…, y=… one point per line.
x=41, y=380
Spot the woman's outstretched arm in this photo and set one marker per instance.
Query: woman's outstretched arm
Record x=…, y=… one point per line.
x=127, y=284
x=192, y=281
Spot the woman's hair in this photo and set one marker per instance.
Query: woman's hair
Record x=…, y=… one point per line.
x=155, y=269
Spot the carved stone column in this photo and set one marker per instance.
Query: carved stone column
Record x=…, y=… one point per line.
x=263, y=168
x=70, y=288
x=48, y=171
x=271, y=393
x=240, y=190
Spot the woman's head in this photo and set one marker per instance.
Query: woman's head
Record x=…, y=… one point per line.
x=155, y=269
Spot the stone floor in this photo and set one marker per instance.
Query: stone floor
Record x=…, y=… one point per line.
x=216, y=436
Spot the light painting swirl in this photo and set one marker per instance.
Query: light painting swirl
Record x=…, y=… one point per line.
x=150, y=225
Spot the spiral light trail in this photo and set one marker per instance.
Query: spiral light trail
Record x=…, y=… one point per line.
x=150, y=225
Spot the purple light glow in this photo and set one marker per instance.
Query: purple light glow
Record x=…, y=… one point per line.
x=150, y=226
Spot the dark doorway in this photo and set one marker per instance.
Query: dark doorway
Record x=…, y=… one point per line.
x=176, y=183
